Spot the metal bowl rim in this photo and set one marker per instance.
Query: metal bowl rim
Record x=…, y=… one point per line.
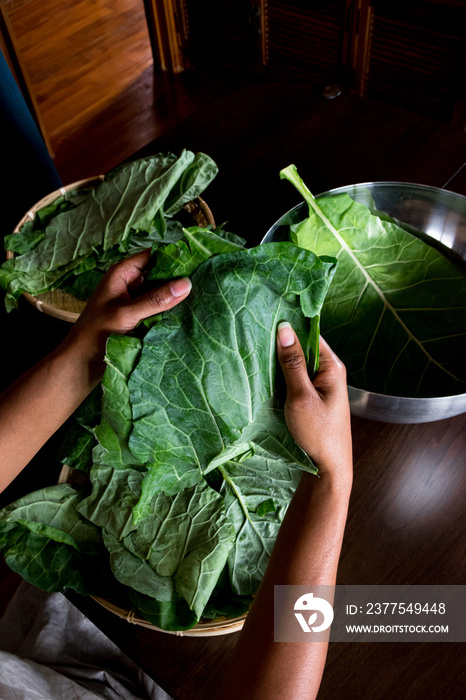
x=404, y=399
x=390, y=183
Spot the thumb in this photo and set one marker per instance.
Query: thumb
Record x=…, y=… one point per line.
x=293, y=362
x=159, y=299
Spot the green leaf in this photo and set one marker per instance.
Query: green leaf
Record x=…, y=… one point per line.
x=89, y=412
x=82, y=286
x=113, y=496
x=76, y=238
x=76, y=449
x=270, y=438
x=115, y=427
x=135, y=572
x=171, y=615
x=248, y=485
x=194, y=180
x=128, y=199
x=47, y=564
x=395, y=313
x=192, y=396
x=45, y=540
x=185, y=539
x=267, y=506
x=52, y=510
x=223, y=602
x=182, y=258
x=23, y=242
x=206, y=371
x=80, y=440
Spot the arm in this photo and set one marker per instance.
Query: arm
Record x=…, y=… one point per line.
x=308, y=545
x=39, y=402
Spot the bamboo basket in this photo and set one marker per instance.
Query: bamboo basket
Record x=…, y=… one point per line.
x=60, y=304
x=204, y=628
x=207, y=628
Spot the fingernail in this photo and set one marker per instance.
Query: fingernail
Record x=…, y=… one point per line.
x=180, y=287
x=285, y=334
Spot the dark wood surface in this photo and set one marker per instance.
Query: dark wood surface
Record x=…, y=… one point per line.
x=254, y=132
x=406, y=519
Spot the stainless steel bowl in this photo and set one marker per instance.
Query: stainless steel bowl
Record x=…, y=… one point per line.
x=438, y=217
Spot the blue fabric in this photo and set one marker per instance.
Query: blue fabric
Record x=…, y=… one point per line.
x=28, y=172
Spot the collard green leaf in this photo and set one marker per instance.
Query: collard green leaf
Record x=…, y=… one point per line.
x=128, y=199
x=79, y=442
x=172, y=232
x=110, y=503
x=171, y=615
x=223, y=602
x=23, y=242
x=395, y=312
x=52, y=511
x=46, y=541
x=82, y=286
x=182, y=258
x=248, y=485
x=194, y=180
x=89, y=412
x=184, y=539
x=206, y=371
x=269, y=438
x=194, y=396
x=267, y=506
x=74, y=240
x=192, y=550
x=76, y=449
x=115, y=427
x=34, y=282
x=257, y=490
x=133, y=571
x=48, y=564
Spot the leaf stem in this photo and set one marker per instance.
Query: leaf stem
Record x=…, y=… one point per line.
x=237, y=493
x=290, y=173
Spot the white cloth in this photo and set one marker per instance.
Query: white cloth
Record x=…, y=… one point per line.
x=49, y=650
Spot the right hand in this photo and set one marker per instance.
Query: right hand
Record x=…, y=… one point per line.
x=317, y=412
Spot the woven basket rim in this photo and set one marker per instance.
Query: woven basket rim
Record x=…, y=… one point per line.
x=204, y=628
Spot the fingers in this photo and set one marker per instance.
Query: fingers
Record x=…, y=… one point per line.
x=124, y=278
x=293, y=362
x=127, y=274
x=130, y=268
x=330, y=378
x=159, y=299
x=332, y=372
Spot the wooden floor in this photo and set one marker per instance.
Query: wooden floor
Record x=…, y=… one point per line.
x=90, y=63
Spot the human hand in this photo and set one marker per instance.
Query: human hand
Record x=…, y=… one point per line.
x=113, y=307
x=317, y=412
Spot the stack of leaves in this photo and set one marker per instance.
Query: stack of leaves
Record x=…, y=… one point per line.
x=191, y=465
x=189, y=461
x=72, y=242
x=396, y=312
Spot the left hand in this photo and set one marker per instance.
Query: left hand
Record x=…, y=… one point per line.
x=113, y=308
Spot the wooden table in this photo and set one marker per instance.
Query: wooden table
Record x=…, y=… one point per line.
x=406, y=521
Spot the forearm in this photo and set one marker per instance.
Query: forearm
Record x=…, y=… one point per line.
x=42, y=399
x=306, y=553
x=38, y=403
